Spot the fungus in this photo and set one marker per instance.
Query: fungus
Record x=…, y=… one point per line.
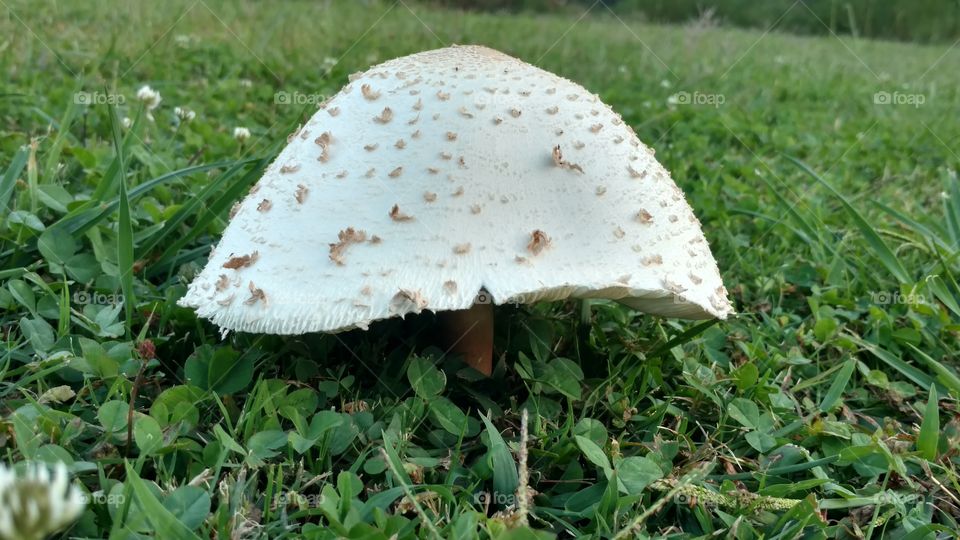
x=297, y=254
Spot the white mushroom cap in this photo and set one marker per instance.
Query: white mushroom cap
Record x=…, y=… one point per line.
x=433, y=176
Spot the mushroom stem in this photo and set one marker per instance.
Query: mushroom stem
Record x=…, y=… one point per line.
x=470, y=332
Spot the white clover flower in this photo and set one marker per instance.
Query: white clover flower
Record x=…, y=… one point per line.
x=241, y=134
x=245, y=83
x=184, y=114
x=34, y=505
x=126, y=122
x=329, y=63
x=150, y=97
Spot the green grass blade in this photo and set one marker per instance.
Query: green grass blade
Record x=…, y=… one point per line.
x=63, y=131
x=944, y=374
x=930, y=427
x=809, y=230
x=918, y=377
x=164, y=523
x=505, y=478
x=879, y=247
x=951, y=209
x=939, y=289
x=125, y=229
x=9, y=179
x=916, y=226
x=838, y=385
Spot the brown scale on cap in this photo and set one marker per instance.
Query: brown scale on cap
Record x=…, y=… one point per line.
x=619, y=232
x=451, y=136
x=635, y=173
x=458, y=192
x=256, y=295
x=601, y=190
x=227, y=301
x=234, y=209
x=695, y=279
x=450, y=286
x=652, y=260
x=596, y=128
x=538, y=242
x=301, y=194
x=418, y=105
x=515, y=113
x=287, y=169
x=672, y=286
x=407, y=300
x=342, y=174
x=223, y=282
x=415, y=134
x=370, y=172
x=497, y=120
x=644, y=217
x=446, y=155
x=559, y=161
x=265, y=205
x=396, y=172
x=465, y=113
x=429, y=196
x=369, y=93
x=475, y=209
x=400, y=144
x=323, y=141
x=385, y=116
x=345, y=238
x=461, y=249
x=397, y=215
x=333, y=111
x=442, y=96
x=371, y=147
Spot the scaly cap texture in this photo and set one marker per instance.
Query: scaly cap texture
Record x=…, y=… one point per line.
x=433, y=176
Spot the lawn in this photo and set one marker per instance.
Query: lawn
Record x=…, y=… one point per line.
x=823, y=170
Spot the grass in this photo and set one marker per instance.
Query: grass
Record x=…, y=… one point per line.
x=826, y=408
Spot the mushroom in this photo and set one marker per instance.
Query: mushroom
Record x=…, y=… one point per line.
x=551, y=242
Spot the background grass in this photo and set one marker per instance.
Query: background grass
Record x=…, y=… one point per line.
x=834, y=220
